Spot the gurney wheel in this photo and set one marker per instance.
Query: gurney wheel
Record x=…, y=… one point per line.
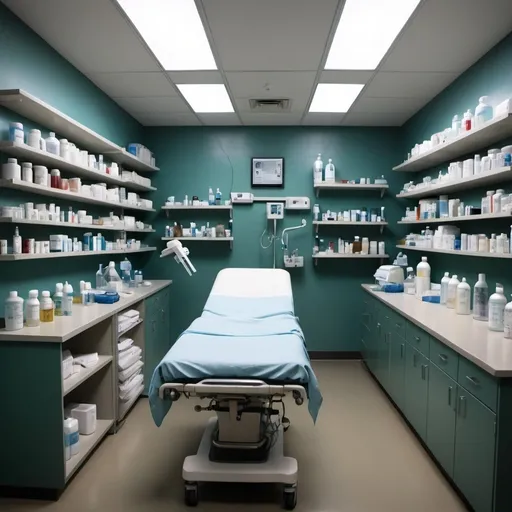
x=290, y=497
x=191, y=495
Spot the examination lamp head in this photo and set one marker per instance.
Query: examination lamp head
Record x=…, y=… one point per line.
x=180, y=255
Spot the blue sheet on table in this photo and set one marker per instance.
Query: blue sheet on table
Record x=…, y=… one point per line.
x=256, y=338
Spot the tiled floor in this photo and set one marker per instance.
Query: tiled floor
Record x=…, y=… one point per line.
x=360, y=457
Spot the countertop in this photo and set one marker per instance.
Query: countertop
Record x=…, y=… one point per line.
x=470, y=338
x=83, y=318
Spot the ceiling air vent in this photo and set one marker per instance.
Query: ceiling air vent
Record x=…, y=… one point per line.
x=270, y=105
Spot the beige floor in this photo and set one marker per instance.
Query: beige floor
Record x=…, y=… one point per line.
x=360, y=457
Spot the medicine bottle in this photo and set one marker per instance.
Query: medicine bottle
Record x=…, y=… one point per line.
x=32, y=311
x=46, y=308
x=356, y=245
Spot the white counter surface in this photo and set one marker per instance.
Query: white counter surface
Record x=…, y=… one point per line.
x=470, y=338
x=83, y=318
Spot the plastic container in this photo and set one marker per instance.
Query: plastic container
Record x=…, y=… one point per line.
x=32, y=313
x=451, y=297
x=455, y=126
x=112, y=280
x=483, y=112
x=58, y=297
x=100, y=278
x=11, y=170
x=35, y=140
x=40, y=175
x=330, y=172
x=13, y=312
x=481, y=299
x=55, y=178
x=53, y=144
x=507, y=322
x=444, y=287
x=318, y=168
x=126, y=270
x=85, y=414
x=16, y=242
x=422, y=277
x=365, y=245
x=64, y=149
x=211, y=196
x=218, y=197
x=26, y=172
x=46, y=307
x=493, y=243
x=16, y=133
x=497, y=303
x=67, y=299
x=463, y=300
x=443, y=206
x=467, y=122
x=496, y=200
x=71, y=438
x=410, y=282
x=477, y=164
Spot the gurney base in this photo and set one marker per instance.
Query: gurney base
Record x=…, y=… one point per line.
x=276, y=469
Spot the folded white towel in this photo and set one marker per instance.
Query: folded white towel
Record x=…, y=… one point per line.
x=124, y=386
x=133, y=393
x=124, y=375
x=134, y=383
x=86, y=360
x=132, y=355
x=132, y=313
x=124, y=344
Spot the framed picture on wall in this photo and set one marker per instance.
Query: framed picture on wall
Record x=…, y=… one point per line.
x=267, y=172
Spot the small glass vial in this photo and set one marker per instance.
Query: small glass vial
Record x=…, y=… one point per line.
x=46, y=308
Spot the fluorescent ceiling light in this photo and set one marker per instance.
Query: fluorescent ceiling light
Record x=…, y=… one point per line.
x=173, y=31
x=206, y=97
x=366, y=30
x=334, y=97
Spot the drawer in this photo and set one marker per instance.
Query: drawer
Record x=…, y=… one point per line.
x=444, y=357
x=478, y=382
x=399, y=323
x=418, y=338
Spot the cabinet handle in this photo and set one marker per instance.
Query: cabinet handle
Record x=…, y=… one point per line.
x=414, y=360
x=398, y=325
x=473, y=381
x=450, y=388
x=402, y=347
x=424, y=372
x=378, y=326
x=443, y=358
x=462, y=406
x=417, y=338
x=153, y=325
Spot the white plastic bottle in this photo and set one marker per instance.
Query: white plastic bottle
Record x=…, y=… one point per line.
x=53, y=144
x=32, y=309
x=211, y=197
x=16, y=241
x=463, y=300
x=496, y=201
x=422, y=277
x=481, y=299
x=58, y=298
x=330, y=172
x=455, y=126
x=218, y=197
x=13, y=312
x=318, y=168
x=497, y=303
x=451, y=298
x=71, y=438
x=493, y=244
x=508, y=320
x=467, y=122
x=444, y=287
x=483, y=112
x=67, y=299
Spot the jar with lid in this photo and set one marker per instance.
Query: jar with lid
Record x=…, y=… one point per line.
x=32, y=309
x=16, y=133
x=26, y=172
x=55, y=178
x=40, y=175
x=46, y=307
x=356, y=245
x=365, y=245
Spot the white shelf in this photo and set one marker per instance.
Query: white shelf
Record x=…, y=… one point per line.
x=66, y=195
x=458, y=253
x=76, y=379
x=493, y=131
x=17, y=257
x=99, y=227
x=124, y=331
x=465, y=218
x=479, y=180
x=87, y=445
x=27, y=153
x=200, y=238
x=317, y=223
x=199, y=207
x=124, y=407
x=348, y=186
x=337, y=255
x=36, y=110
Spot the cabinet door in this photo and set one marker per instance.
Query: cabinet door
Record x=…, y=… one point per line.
x=474, y=451
x=416, y=389
x=397, y=369
x=442, y=399
x=372, y=344
x=383, y=348
x=152, y=352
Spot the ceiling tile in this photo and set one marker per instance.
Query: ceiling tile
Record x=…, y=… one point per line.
x=195, y=77
x=284, y=35
x=449, y=36
x=270, y=119
x=375, y=119
x=83, y=32
x=322, y=118
x=122, y=85
x=345, y=77
x=383, y=105
x=154, y=105
x=168, y=119
x=229, y=119
x=408, y=85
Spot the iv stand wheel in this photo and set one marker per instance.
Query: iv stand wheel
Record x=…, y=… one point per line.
x=191, y=494
x=289, y=497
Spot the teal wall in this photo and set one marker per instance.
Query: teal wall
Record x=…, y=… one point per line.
x=327, y=296
x=27, y=62
x=491, y=76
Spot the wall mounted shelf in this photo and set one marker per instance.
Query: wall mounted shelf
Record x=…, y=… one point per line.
x=318, y=223
x=479, y=180
x=458, y=253
x=202, y=239
x=493, y=131
x=466, y=218
x=348, y=186
x=18, y=257
x=209, y=207
x=36, y=110
x=336, y=255
x=99, y=227
x=26, y=153
x=66, y=195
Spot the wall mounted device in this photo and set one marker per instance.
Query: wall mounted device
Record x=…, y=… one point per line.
x=242, y=198
x=298, y=203
x=275, y=211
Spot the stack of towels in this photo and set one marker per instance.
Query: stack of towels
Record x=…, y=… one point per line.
x=127, y=320
x=129, y=364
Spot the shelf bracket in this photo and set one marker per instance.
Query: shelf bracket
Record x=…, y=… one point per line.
x=382, y=229
x=231, y=244
x=167, y=213
x=316, y=261
x=316, y=229
x=317, y=192
x=382, y=190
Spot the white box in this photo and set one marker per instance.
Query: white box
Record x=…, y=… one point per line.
x=86, y=416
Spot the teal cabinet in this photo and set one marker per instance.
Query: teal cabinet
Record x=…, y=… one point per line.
x=416, y=390
x=442, y=400
x=374, y=335
x=397, y=369
x=383, y=348
x=475, y=441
